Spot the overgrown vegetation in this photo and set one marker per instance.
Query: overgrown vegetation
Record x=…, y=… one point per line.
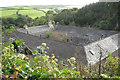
x=19, y=66
x=43, y=66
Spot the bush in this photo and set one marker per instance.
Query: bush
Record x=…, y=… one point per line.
x=111, y=66
x=48, y=34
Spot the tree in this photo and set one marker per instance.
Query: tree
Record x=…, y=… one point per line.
x=21, y=21
x=49, y=15
x=40, y=21
x=66, y=16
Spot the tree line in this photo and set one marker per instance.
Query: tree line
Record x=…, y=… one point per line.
x=101, y=15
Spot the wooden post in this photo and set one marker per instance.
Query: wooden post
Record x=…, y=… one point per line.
x=100, y=60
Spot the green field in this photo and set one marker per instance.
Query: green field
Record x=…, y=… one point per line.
x=9, y=13
x=32, y=13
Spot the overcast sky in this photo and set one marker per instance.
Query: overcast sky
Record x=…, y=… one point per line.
x=5, y=3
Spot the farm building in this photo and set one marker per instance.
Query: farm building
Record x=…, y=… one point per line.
x=84, y=44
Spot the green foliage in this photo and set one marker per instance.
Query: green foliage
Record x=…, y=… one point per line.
x=13, y=63
x=19, y=42
x=21, y=21
x=65, y=17
x=42, y=48
x=35, y=52
x=49, y=15
x=106, y=77
x=10, y=30
x=40, y=21
x=111, y=65
x=43, y=66
x=48, y=34
x=98, y=15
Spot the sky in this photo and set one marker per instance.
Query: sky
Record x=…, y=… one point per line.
x=6, y=3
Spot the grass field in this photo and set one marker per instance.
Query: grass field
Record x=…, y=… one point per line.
x=32, y=13
x=9, y=13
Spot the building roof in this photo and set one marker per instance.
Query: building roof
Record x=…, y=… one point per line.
x=109, y=44
x=60, y=49
x=89, y=52
x=33, y=30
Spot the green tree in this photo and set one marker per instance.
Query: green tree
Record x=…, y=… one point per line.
x=49, y=15
x=65, y=17
x=40, y=21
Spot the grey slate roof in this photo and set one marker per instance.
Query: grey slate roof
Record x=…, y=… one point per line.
x=61, y=49
x=36, y=29
x=82, y=35
x=109, y=44
x=86, y=37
